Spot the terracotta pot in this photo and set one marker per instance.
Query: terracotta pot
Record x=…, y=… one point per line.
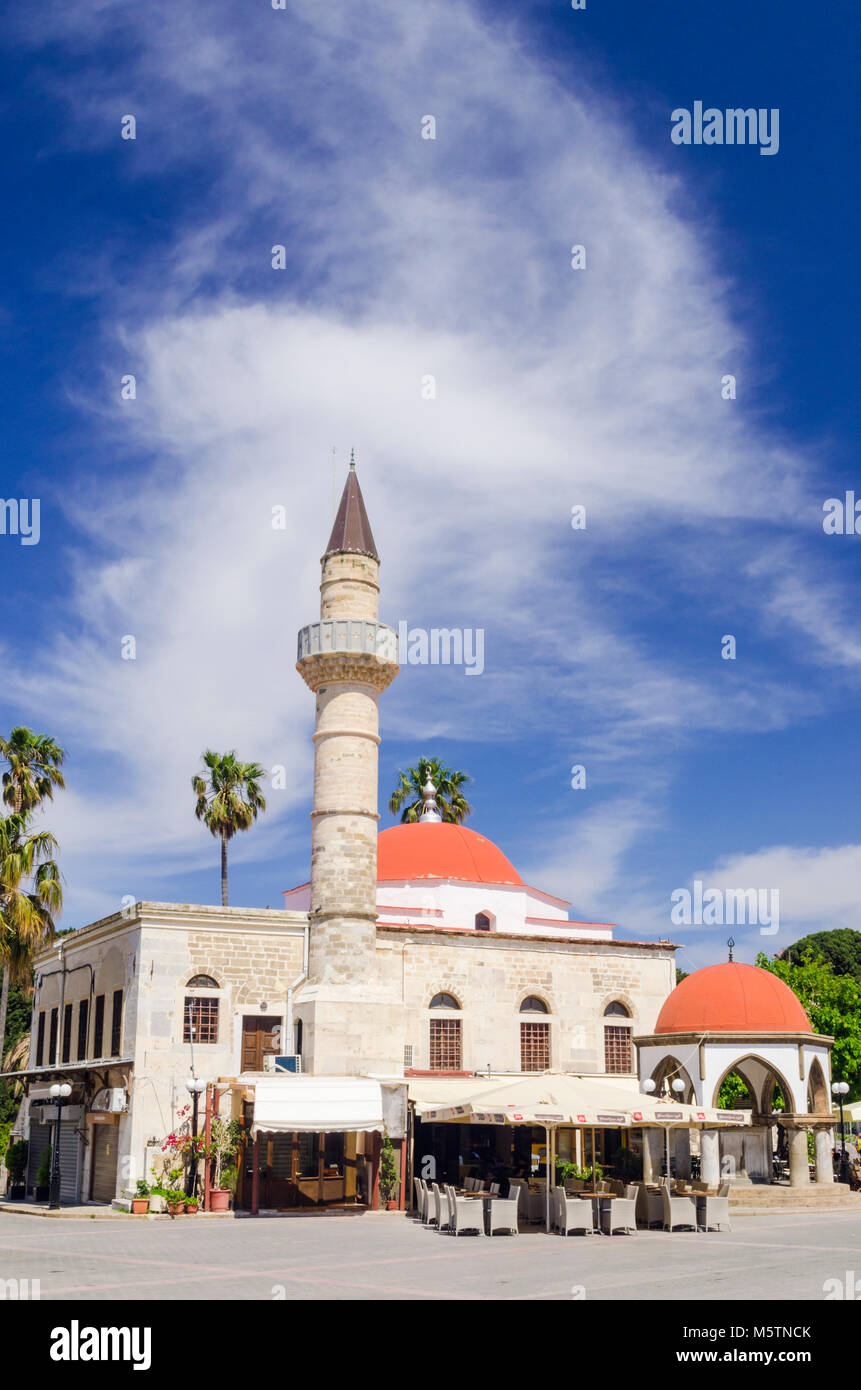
x=191, y=1208
x=140, y=1205
x=391, y=1206
x=176, y=1208
x=219, y=1199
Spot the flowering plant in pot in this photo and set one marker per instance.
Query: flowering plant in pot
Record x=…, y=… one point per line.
x=223, y=1144
x=140, y=1201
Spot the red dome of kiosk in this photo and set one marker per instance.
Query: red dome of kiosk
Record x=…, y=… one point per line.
x=440, y=849
x=732, y=998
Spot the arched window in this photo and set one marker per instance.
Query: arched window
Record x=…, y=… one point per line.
x=445, y=1036
x=483, y=921
x=534, y=1036
x=200, y=1020
x=443, y=1001
x=618, y=1057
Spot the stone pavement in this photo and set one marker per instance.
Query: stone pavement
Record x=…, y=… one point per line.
x=389, y=1257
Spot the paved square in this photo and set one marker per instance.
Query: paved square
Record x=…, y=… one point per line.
x=388, y=1256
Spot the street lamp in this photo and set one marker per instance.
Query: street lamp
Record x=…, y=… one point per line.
x=194, y=1086
x=60, y=1091
x=840, y=1089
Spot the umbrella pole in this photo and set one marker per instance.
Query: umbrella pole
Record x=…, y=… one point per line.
x=547, y=1178
x=594, y=1164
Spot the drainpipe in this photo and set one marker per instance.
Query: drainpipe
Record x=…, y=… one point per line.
x=288, y=1042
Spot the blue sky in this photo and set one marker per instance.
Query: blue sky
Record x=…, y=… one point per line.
x=408, y=257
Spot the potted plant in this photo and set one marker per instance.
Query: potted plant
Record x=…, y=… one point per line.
x=223, y=1144
x=16, y=1167
x=174, y=1196
x=191, y=1205
x=140, y=1201
x=43, y=1176
x=388, y=1174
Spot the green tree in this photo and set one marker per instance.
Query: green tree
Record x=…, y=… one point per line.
x=733, y=1093
x=33, y=771
x=31, y=896
x=840, y=947
x=832, y=1003
x=407, y=796
x=228, y=800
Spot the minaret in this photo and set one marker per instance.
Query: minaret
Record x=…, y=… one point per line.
x=347, y=658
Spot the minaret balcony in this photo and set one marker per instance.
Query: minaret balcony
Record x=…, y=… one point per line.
x=348, y=635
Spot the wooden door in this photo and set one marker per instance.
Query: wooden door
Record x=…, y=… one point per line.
x=104, y=1162
x=261, y=1037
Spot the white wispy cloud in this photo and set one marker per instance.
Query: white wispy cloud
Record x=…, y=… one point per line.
x=406, y=258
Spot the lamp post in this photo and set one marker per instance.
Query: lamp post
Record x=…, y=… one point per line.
x=840, y=1089
x=59, y=1093
x=194, y=1086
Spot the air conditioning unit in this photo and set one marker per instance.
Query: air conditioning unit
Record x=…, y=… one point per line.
x=114, y=1100
x=293, y=1064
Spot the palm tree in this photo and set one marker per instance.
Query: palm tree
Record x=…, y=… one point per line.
x=228, y=801
x=34, y=768
x=31, y=896
x=34, y=762
x=452, y=803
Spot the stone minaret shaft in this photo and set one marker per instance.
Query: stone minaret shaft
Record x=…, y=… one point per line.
x=347, y=659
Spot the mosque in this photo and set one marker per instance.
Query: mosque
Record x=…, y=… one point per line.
x=411, y=963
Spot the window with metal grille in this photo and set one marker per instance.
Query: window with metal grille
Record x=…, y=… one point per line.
x=408, y=1054
x=83, y=1019
x=535, y=1047
x=40, y=1039
x=52, y=1042
x=99, y=1027
x=201, y=1020
x=617, y=1049
x=67, y=1032
x=117, y=1023
x=202, y=982
x=445, y=1044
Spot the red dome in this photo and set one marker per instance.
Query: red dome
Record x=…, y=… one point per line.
x=441, y=850
x=732, y=998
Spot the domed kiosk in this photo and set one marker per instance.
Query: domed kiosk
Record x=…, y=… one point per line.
x=742, y=1021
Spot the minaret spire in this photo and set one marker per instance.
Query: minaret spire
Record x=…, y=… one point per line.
x=351, y=533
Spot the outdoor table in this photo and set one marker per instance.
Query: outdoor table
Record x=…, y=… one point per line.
x=600, y=1198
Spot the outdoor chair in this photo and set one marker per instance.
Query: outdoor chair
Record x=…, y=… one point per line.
x=632, y=1192
x=573, y=1214
x=420, y=1200
x=620, y=1215
x=723, y=1190
x=503, y=1214
x=469, y=1184
x=494, y=1188
x=464, y=1214
x=716, y=1213
x=650, y=1206
x=428, y=1212
x=440, y=1207
x=678, y=1211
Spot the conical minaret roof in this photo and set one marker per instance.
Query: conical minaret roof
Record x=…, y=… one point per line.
x=352, y=532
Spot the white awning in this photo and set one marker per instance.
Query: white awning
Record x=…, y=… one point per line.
x=316, y=1104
